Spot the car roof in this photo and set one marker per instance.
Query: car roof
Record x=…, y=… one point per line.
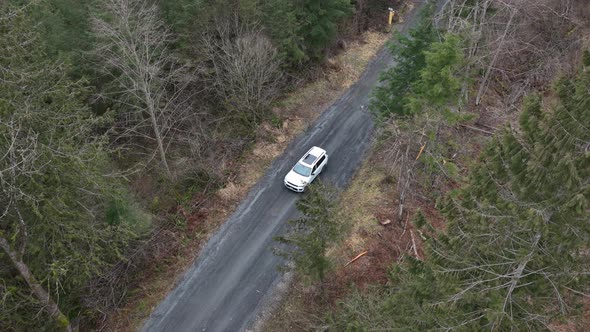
x=312, y=155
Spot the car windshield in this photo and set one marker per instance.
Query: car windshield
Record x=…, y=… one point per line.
x=302, y=169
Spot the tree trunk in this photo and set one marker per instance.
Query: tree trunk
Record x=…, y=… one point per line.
x=518, y=273
x=159, y=141
x=52, y=307
x=405, y=182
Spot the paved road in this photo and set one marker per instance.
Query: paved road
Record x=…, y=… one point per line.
x=225, y=288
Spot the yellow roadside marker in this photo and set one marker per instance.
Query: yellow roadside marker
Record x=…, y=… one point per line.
x=391, y=14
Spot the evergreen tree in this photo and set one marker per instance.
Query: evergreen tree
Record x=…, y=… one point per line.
x=319, y=20
x=53, y=192
x=512, y=257
x=63, y=27
x=190, y=19
x=440, y=81
x=310, y=236
x=516, y=231
x=281, y=22
x=183, y=15
x=429, y=104
x=409, y=53
x=303, y=29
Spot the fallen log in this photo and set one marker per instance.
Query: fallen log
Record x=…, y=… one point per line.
x=414, y=245
x=477, y=129
x=421, y=149
x=357, y=257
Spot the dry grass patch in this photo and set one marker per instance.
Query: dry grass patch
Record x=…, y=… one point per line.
x=230, y=192
x=356, y=208
x=300, y=310
x=352, y=63
x=341, y=72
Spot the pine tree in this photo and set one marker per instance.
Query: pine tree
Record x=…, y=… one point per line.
x=516, y=231
x=428, y=104
x=53, y=192
x=281, y=22
x=310, y=236
x=319, y=20
x=512, y=257
x=409, y=53
x=439, y=82
x=303, y=29
x=63, y=27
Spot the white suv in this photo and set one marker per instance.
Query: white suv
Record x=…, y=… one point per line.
x=307, y=169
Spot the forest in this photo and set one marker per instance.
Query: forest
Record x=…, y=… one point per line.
x=472, y=213
x=115, y=114
x=118, y=118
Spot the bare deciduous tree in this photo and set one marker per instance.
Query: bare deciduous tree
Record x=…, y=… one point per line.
x=522, y=43
x=246, y=69
x=133, y=48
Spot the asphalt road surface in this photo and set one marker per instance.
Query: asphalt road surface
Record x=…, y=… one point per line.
x=225, y=288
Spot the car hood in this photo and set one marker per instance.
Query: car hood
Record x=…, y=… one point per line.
x=296, y=179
